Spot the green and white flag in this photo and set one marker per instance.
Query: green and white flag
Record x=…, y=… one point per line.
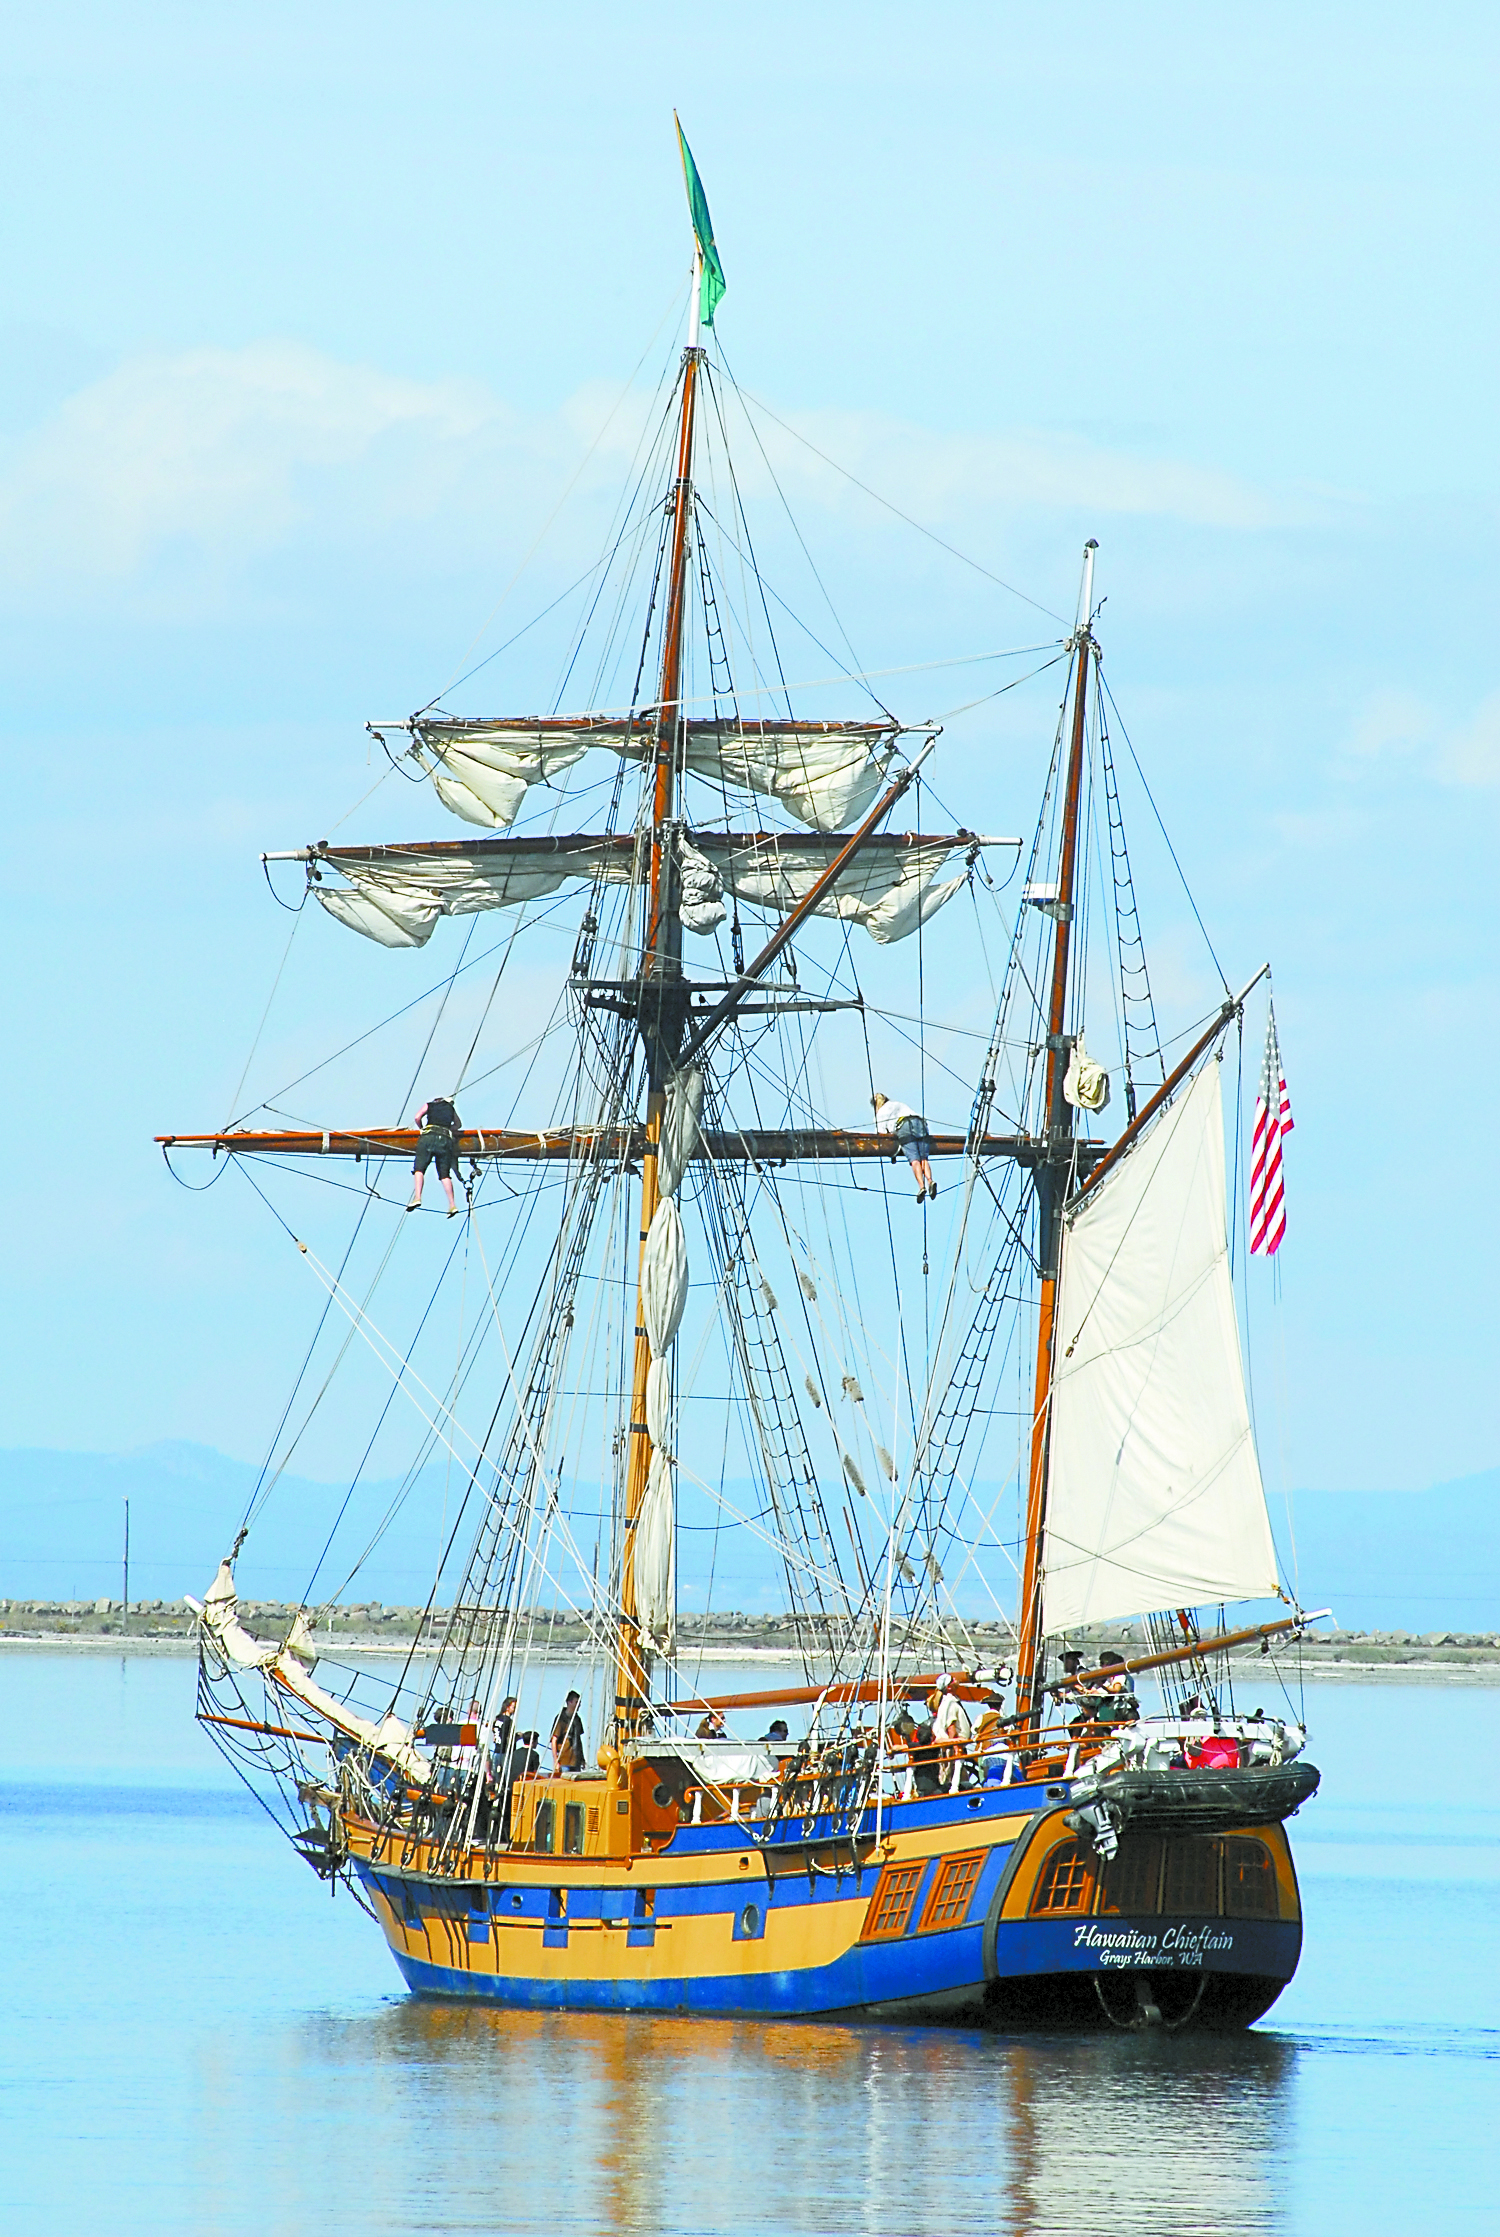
x=712, y=285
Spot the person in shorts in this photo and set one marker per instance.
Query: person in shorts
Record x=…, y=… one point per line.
x=437, y=1144
x=908, y=1129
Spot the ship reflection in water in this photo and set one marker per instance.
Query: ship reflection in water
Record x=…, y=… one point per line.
x=592, y=2121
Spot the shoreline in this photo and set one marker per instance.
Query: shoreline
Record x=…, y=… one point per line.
x=1347, y=1660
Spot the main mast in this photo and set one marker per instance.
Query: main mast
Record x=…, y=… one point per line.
x=1054, y=1165
x=662, y=1012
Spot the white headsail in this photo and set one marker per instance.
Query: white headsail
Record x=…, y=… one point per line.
x=826, y=774
x=1154, y=1491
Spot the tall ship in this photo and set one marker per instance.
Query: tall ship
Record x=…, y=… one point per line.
x=692, y=1305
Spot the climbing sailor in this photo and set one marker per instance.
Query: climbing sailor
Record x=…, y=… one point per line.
x=909, y=1130
x=440, y=1125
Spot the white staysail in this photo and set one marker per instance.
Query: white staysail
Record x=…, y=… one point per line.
x=1154, y=1492
x=396, y=894
x=826, y=774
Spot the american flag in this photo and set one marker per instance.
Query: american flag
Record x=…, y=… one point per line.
x=1273, y=1118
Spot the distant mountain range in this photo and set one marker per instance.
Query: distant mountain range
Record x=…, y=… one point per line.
x=1383, y=1560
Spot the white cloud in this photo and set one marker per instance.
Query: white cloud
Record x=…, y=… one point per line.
x=1401, y=726
x=1473, y=752
x=182, y=471
x=950, y=477
x=1391, y=722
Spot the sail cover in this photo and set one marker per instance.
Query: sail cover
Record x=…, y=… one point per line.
x=396, y=894
x=1154, y=1493
x=826, y=774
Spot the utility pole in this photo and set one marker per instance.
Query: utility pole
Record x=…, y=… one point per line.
x=125, y=1565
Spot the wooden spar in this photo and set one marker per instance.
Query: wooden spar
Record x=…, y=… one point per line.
x=661, y=950
x=1058, y=1124
x=1230, y=1008
x=501, y=1145
x=894, y=1692
x=604, y=846
x=249, y=1724
x=1220, y=1643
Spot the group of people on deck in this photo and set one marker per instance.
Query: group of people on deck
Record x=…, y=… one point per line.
x=1100, y=1702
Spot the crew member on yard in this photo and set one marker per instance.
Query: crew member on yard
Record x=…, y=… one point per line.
x=440, y=1125
x=909, y=1130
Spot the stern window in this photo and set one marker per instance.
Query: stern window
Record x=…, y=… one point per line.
x=1249, y=1881
x=1067, y=1881
x=1191, y=1889
x=1130, y=1886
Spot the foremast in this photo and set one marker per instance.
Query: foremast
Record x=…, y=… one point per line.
x=1054, y=1164
x=663, y=1012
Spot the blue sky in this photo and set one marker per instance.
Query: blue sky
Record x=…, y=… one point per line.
x=310, y=317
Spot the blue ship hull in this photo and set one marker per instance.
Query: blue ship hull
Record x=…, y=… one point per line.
x=938, y=1920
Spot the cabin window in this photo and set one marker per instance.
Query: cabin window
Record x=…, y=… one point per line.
x=1130, y=1885
x=952, y=1891
x=1191, y=1885
x=645, y=1903
x=541, y=1835
x=1066, y=1884
x=1249, y=1881
x=572, y=1829
x=893, y=1901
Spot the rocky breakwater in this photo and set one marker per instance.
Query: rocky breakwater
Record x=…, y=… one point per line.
x=155, y=1626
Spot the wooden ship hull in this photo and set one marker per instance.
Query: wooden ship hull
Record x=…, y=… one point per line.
x=983, y=1904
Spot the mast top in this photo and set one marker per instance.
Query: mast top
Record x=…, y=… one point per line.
x=1083, y=626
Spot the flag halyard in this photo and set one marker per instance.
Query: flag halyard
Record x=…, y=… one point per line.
x=712, y=285
x=1273, y=1120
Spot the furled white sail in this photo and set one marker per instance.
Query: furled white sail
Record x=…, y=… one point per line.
x=679, y=1128
x=827, y=774
x=396, y=894
x=659, y=1403
x=285, y=1666
x=664, y=1276
x=887, y=890
x=1154, y=1494
x=655, y=1557
x=664, y=1289
x=483, y=774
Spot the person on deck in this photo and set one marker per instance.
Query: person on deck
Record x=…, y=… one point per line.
x=710, y=1727
x=925, y=1756
x=501, y=1740
x=908, y=1129
x=567, y=1737
x=1114, y=1702
x=438, y=1140
x=1068, y=1693
x=951, y=1728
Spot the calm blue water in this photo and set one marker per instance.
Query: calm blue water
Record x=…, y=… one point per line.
x=198, y=2039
